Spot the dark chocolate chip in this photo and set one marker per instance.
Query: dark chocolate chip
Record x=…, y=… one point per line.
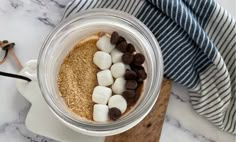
x=114, y=38
x=131, y=102
x=114, y=113
x=121, y=46
x=127, y=58
x=136, y=67
x=130, y=75
x=131, y=84
x=129, y=94
x=121, y=38
x=138, y=59
x=130, y=48
x=141, y=74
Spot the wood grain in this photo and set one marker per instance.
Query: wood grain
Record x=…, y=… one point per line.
x=149, y=130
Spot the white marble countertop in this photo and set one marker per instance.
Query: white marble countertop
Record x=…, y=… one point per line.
x=27, y=23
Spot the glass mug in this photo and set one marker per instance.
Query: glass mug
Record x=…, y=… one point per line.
x=79, y=26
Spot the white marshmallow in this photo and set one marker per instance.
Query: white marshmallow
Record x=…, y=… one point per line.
x=105, y=78
x=118, y=70
x=116, y=56
x=119, y=102
x=100, y=113
x=104, y=44
x=119, y=85
x=102, y=60
x=101, y=94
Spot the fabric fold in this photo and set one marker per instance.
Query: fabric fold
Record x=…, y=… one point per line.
x=198, y=43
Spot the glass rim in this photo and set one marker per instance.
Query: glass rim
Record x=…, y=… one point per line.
x=153, y=94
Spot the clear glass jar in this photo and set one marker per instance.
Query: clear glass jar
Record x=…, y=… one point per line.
x=63, y=38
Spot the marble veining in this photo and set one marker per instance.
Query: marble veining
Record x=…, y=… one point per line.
x=16, y=3
x=183, y=124
x=179, y=98
x=175, y=123
x=46, y=20
x=58, y=4
x=27, y=23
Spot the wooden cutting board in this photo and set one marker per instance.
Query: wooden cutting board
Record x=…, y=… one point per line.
x=149, y=130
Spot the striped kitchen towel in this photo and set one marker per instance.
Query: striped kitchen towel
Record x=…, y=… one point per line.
x=198, y=43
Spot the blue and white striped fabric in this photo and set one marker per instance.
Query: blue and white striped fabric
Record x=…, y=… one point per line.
x=197, y=39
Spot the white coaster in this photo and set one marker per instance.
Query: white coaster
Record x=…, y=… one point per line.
x=41, y=120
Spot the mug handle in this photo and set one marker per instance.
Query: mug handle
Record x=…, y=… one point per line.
x=36, y=121
x=30, y=69
x=28, y=88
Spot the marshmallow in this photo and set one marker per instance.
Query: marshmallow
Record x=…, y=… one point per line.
x=116, y=56
x=100, y=113
x=101, y=94
x=119, y=102
x=118, y=70
x=104, y=44
x=104, y=78
x=102, y=60
x=119, y=85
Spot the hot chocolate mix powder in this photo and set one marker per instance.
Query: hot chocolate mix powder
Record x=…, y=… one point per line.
x=77, y=78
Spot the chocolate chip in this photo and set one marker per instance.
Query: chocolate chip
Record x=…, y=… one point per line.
x=138, y=59
x=141, y=74
x=131, y=84
x=121, y=38
x=127, y=58
x=121, y=46
x=130, y=75
x=132, y=101
x=114, y=38
x=136, y=67
x=129, y=94
x=130, y=48
x=114, y=113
